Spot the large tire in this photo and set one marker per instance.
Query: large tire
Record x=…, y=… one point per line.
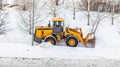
x=38, y=40
x=71, y=41
x=51, y=39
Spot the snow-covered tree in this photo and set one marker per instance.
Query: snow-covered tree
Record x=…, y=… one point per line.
x=96, y=19
x=25, y=17
x=25, y=4
x=23, y=22
x=72, y=5
x=52, y=6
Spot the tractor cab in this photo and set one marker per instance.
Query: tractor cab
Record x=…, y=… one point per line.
x=58, y=24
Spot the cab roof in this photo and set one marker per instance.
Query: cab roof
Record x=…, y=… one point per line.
x=57, y=19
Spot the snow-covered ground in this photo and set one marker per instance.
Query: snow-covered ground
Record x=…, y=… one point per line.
x=45, y=55
x=16, y=49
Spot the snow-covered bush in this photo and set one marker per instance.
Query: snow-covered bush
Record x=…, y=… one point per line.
x=23, y=22
x=3, y=22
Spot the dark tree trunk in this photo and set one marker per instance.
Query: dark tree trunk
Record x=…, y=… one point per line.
x=57, y=2
x=1, y=4
x=74, y=13
x=54, y=12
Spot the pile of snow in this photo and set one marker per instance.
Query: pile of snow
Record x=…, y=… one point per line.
x=45, y=45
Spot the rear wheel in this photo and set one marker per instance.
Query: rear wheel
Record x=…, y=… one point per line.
x=71, y=41
x=51, y=39
x=38, y=40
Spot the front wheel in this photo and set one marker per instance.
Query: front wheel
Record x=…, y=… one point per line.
x=71, y=41
x=51, y=39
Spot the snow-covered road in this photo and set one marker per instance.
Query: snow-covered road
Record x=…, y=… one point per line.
x=11, y=49
x=46, y=55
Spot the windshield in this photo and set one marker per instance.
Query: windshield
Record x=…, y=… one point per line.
x=58, y=24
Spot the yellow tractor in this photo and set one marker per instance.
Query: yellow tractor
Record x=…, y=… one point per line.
x=57, y=32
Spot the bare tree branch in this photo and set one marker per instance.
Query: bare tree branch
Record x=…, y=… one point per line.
x=97, y=21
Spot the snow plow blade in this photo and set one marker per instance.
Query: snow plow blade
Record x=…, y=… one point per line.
x=91, y=43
